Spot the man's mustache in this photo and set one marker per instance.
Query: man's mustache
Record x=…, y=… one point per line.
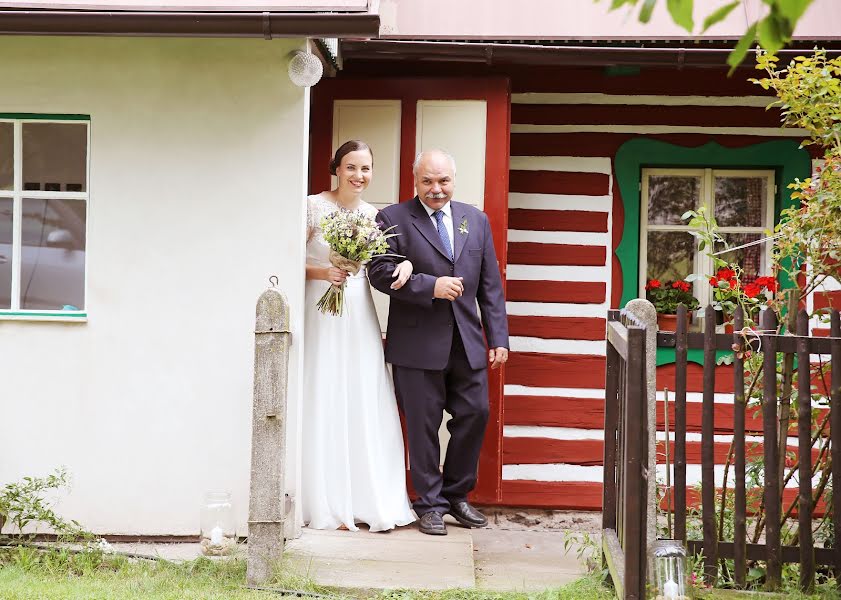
x=438, y=196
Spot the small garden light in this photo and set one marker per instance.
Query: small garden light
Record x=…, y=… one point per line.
x=667, y=564
x=218, y=535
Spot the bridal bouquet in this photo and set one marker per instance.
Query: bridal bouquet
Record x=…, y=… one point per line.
x=354, y=239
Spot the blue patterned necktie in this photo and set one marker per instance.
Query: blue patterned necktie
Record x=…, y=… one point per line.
x=442, y=233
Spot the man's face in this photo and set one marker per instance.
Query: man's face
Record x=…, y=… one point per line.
x=434, y=180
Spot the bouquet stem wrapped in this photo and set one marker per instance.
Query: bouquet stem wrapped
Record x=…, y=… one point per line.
x=332, y=302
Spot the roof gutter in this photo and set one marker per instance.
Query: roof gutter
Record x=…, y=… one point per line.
x=266, y=25
x=535, y=54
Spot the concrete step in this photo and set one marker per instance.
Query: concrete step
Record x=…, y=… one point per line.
x=403, y=558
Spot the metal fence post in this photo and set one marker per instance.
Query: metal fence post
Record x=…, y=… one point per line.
x=266, y=508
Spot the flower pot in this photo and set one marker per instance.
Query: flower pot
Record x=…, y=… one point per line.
x=669, y=322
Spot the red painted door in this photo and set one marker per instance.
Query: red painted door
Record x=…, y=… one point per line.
x=409, y=91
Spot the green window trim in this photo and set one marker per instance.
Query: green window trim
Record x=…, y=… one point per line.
x=666, y=356
x=785, y=157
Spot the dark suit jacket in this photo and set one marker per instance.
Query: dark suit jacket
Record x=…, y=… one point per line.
x=420, y=327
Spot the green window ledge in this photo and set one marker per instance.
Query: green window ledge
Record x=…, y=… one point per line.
x=666, y=356
x=29, y=315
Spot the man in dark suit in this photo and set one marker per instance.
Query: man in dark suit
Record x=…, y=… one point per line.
x=435, y=339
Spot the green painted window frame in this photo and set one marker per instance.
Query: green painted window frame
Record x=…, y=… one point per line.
x=52, y=315
x=788, y=160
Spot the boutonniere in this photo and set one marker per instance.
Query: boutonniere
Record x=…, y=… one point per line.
x=462, y=229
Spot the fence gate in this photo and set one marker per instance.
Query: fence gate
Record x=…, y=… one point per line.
x=625, y=456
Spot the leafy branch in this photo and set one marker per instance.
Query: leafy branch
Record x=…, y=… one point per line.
x=772, y=32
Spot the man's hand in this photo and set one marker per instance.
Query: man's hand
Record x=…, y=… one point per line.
x=448, y=288
x=497, y=356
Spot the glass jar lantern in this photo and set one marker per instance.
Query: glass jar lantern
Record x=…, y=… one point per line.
x=218, y=534
x=667, y=568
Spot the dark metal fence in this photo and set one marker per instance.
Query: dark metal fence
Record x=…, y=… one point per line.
x=774, y=413
x=625, y=456
x=625, y=448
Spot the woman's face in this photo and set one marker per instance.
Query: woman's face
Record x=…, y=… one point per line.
x=354, y=173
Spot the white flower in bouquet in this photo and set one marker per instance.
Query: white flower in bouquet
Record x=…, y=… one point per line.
x=354, y=239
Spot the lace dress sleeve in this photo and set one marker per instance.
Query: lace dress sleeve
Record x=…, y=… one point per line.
x=370, y=211
x=311, y=217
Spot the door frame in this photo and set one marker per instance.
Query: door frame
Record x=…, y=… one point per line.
x=496, y=91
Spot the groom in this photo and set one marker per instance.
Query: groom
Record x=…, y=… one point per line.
x=435, y=341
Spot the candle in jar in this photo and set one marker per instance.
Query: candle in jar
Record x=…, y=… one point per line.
x=216, y=536
x=670, y=590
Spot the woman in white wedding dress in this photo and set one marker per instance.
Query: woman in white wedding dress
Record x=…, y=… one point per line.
x=353, y=468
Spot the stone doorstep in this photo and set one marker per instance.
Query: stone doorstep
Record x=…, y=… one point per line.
x=523, y=561
x=403, y=558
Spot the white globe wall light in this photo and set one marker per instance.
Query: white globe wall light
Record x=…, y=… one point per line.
x=305, y=69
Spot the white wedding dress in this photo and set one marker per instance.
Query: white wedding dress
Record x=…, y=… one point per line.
x=353, y=468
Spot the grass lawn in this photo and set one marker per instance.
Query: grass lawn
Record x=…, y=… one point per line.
x=60, y=575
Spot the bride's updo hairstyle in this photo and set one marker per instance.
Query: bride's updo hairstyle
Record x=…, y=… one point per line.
x=347, y=148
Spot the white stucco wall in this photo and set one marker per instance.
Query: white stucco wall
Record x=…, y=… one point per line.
x=198, y=162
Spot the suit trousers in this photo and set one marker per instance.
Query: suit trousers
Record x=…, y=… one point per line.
x=423, y=395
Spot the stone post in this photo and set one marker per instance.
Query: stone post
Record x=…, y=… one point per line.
x=645, y=313
x=266, y=509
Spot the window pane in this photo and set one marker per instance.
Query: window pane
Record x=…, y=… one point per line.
x=5, y=252
x=670, y=255
x=7, y=161
x=53, y=254
x=670, y=196
x=54, y=157
x=750, y=258
x=741, y=201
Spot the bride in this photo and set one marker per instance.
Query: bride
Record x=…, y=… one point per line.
x=353, y=467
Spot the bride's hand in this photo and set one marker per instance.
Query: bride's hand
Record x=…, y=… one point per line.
x=335, y=275
x=401, y=275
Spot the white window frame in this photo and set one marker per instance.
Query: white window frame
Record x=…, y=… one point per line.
x=17, y=194
x=702, y=263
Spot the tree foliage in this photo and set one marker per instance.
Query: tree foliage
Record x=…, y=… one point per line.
x=809, y=97
x=771, y=32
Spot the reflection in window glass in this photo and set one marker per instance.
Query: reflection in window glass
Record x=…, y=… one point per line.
x=5, y=252
x=53, y=254
x=741, y=201
x=671, y=255
x=7, y=156
x=669, y=196
x=750, y=258
x=54, y=157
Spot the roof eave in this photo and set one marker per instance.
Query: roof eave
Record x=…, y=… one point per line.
x=267, y=25
x=535, y=54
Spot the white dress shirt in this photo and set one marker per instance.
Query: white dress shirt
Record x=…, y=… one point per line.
x=448, y=221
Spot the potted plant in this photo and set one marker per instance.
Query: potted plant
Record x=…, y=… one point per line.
x=666, y=296
x=729, y=293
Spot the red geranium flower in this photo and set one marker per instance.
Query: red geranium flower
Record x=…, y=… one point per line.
x=713, y=282
x=652, y=284
x=726, y=273
x=752, y=290
x=767, y=282
x=683, y=286
x=734, y=283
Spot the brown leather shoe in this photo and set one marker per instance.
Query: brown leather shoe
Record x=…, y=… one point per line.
x=467, y=515
x=432, y=523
